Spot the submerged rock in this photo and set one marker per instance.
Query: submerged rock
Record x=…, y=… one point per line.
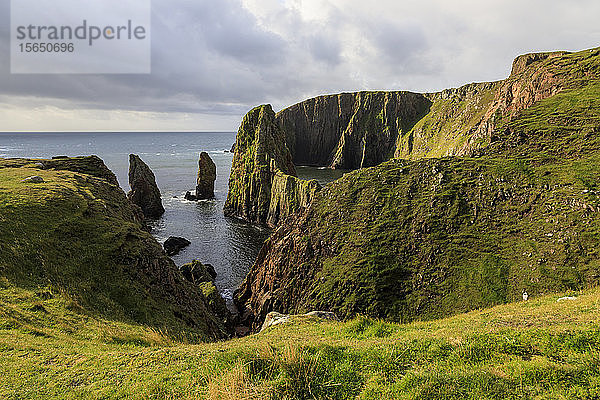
x=174, y=244
x=207, y=173
x=144, y=191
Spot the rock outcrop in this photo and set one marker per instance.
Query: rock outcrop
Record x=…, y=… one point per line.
x=207, y=173
x=263, y=187
x=78, y=234
x=197, y=272
x=204, y=276
x=173, y=245
x=144, y=191
x=432, y=237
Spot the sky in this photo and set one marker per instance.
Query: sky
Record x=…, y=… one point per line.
x=212, y=61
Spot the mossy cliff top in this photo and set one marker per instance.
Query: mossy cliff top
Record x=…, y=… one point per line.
x=76, y=235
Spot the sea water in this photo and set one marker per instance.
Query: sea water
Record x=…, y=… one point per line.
x=230, y=245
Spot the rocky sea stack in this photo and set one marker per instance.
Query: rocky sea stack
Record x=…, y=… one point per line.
x=207, y=173
x=144, y=191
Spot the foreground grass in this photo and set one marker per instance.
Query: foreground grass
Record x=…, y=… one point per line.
x=538, y=349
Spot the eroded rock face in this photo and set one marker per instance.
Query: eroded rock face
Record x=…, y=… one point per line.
x=350, y=130
x=144, y=191
x=207, y=173
x=263, y=187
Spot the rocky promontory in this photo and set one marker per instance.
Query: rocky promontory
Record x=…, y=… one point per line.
x=263, y=187
x=144, y=190
x=78, y=235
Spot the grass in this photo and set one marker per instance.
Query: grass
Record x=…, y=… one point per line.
x=536, y=349
x=77, y=235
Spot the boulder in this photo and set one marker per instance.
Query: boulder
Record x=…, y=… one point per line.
x=196, y=272
x=173, y=245
x=274, y=318
x=144, y=191
x=207, y=173
x=34, y=179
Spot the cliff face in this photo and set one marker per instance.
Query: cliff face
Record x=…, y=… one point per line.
x=350, y=130
x=422, y=239
x=77, y=233
x=144, y=190
x=262, y=172
x=355, y=130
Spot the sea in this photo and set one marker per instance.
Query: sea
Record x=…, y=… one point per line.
x=230, y=245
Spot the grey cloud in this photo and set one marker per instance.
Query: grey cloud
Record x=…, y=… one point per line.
x=325, y=48
x=214, y=57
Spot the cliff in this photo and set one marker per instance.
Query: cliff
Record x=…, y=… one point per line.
x=262, y=175
x=432, y=237
x=75, y=234
x=356, y=130
x=350, y=130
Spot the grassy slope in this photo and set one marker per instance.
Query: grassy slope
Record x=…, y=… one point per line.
x=76, y=236
x=538, y=349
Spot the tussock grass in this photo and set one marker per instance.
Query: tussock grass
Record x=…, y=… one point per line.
x=536, y=349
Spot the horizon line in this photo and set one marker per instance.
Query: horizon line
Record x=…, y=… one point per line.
x=111, y=131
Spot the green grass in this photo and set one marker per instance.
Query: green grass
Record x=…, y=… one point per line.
x=79, y=236
x=536, y=349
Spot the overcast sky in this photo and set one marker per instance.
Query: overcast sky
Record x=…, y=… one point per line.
x=214, y=60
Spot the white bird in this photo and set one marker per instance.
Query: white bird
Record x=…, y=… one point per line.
x=525, y=296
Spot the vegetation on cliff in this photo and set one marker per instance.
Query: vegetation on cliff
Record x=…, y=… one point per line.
x=424, y=239
x=263, y=187
x=76, y=239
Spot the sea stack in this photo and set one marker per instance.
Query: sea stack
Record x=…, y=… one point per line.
x=207, y=173
x=144, y=191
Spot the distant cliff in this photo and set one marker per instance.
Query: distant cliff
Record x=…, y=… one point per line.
x=350, y=130
x=362, y=129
